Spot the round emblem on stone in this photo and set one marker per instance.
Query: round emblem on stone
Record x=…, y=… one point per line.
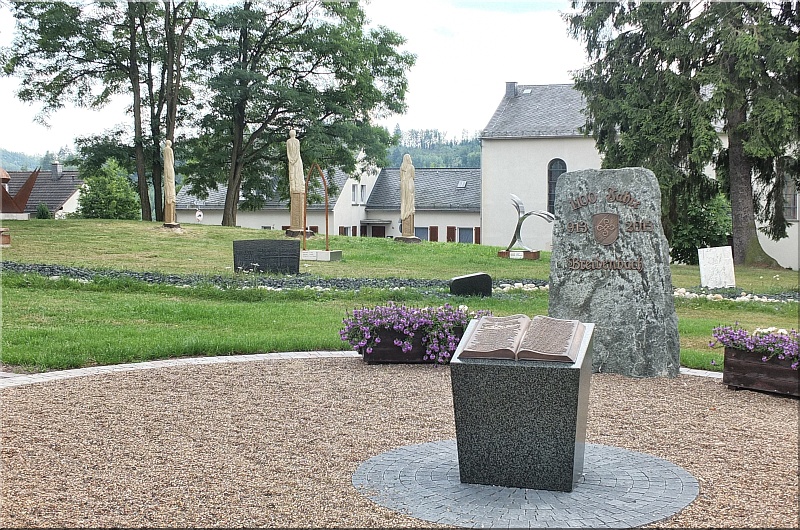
x=605, y=227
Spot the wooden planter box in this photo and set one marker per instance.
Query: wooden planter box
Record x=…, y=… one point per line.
x=386, y=352
x=744, y=369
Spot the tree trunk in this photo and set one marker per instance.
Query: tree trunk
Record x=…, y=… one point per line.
x=133, y=74
x=237, y=161
x=746, y=247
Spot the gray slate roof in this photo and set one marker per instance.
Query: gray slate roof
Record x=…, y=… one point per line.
x=538, y=111
x=216, y=198
x=54, y=193
x=435, y=189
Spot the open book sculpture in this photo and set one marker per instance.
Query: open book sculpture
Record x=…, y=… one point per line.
x=518, y=337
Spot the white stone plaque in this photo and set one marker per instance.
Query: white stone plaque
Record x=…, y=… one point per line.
x=308, y=255
x=516, y=254
x=716, y=267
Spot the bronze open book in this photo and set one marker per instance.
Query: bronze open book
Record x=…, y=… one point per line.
x=518, y=337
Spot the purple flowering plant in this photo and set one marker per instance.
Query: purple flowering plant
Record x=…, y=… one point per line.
x=768, y=342
x=440, y=328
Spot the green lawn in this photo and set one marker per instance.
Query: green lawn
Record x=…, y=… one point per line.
x=55, y=324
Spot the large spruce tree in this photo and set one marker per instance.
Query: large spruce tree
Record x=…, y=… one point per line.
x=676, y=86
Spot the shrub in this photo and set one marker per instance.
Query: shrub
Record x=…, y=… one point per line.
x=43, y=212
x=702, y=225
x=108, y=194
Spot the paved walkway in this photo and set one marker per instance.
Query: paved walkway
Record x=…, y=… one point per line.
x=9, y=379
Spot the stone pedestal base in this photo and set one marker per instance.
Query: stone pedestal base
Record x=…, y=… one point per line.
x=5, y=238
x=519, y=254
x=522, y=424
x=298, y=233
x=320, y=255
x=5, y=216
x=408, y=239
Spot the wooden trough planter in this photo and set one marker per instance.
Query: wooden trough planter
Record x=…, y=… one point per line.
x=744, y=369
x=385, y=352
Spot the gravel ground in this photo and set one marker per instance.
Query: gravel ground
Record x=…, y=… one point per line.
x=275, y=444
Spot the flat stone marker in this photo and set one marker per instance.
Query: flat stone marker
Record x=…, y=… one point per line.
x=716, y=267
x=266, y=255
x=478, y=284
x=610, y=266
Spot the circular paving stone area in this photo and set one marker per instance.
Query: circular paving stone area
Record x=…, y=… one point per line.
x=619, y=489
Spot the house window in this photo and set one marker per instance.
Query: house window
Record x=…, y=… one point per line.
x=554, y=169
x=354, y=190
x=790, y=200
x=465, y=235
x=421, y=232
x=363, y=194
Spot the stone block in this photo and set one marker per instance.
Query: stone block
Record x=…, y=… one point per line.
x=716, y=267
x=477, y=284
x=522, y=424
x=267, y=255
x=329, y=255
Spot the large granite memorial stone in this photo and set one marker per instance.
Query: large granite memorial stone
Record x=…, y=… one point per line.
x=610, y=266
x=266, y=255
x=478, y=284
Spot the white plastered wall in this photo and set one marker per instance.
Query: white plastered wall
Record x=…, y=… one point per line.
x=519, y=166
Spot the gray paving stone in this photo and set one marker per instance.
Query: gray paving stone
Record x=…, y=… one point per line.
x=626, y=498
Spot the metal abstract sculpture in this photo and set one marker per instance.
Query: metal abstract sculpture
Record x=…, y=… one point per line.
x=16, y=204
x=547, y=216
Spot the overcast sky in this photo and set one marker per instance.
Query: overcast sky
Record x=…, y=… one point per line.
x=466, y=51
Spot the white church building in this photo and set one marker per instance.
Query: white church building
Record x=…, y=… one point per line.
x=533, y=137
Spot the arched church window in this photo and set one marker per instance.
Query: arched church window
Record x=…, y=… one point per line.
x=554, y=169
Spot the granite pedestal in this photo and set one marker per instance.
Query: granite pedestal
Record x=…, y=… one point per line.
x=522, y=423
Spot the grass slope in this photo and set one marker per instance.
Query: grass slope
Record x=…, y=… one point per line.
x=56, y=324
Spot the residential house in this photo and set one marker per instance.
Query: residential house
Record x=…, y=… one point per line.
x=274, y=215
x=447, y=205
x=58, y=188
x=532, y=138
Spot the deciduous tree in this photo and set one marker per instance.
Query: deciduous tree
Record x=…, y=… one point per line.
x=314, y=66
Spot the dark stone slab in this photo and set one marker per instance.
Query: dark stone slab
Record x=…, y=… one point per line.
x=610, y=266
x=522, y=424
x=266, y=255
x=478, y=284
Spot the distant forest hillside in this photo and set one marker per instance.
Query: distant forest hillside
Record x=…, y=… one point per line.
x=13, y=161
x=431, y=148
x=427, y=147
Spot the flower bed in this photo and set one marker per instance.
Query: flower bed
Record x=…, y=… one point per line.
x=766, y=359
x=428, y=334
